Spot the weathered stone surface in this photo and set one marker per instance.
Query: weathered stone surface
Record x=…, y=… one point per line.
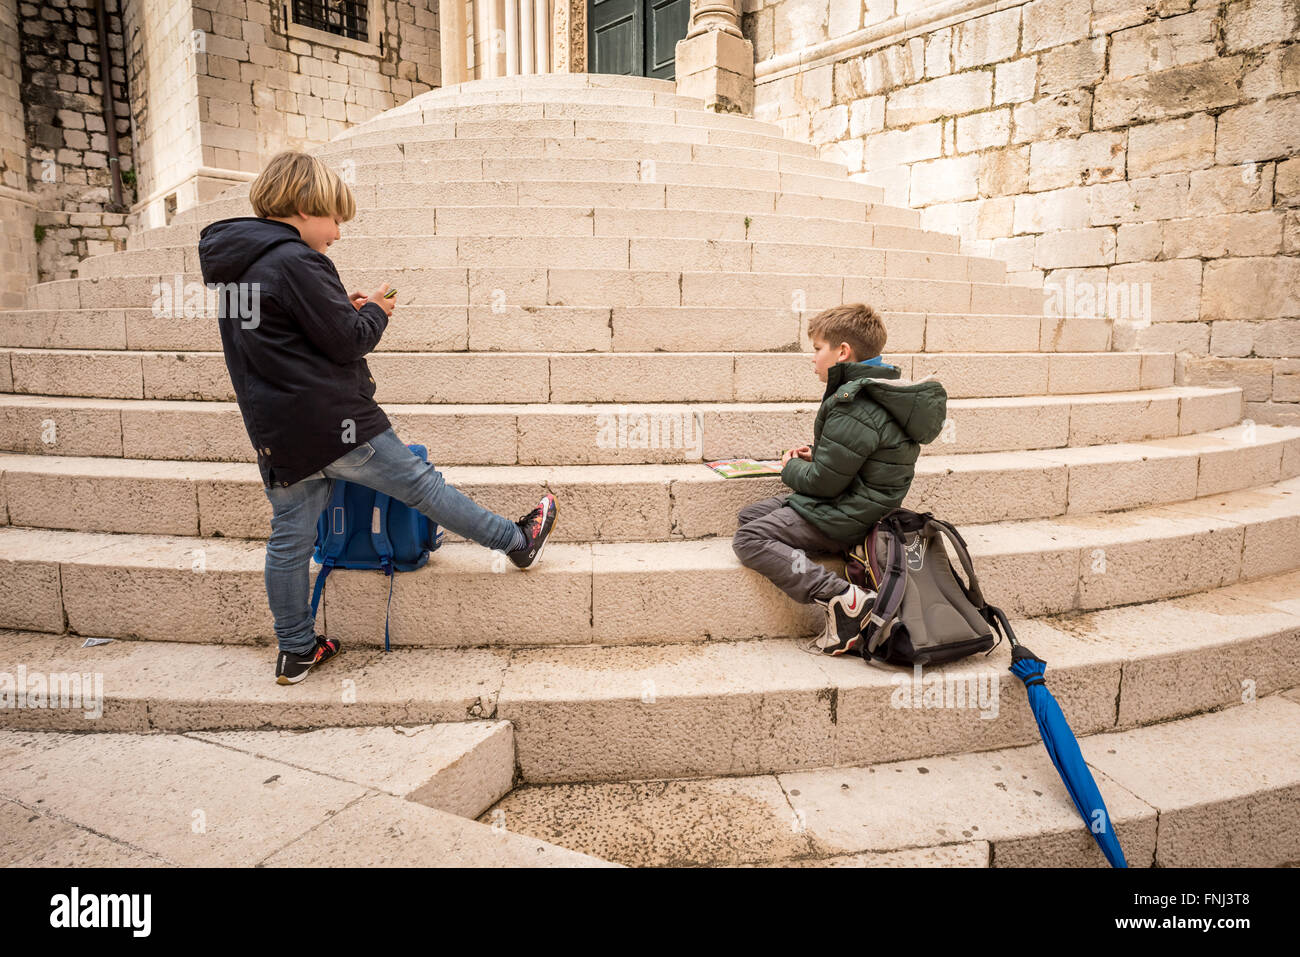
x=1258, y=131
x=1171, y=146
x=1182, y=89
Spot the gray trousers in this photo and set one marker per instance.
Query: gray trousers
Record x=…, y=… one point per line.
x=775, y=540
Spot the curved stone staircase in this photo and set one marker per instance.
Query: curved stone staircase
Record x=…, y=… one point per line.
x=578, y=257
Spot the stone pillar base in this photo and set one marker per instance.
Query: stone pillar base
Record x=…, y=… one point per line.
x=717, y=68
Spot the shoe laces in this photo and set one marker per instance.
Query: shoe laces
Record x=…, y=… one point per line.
x=531, y=523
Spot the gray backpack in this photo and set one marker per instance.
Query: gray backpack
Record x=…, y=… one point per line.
x=924, y=614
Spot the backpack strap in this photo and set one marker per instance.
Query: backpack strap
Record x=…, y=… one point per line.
x=889, y=597
x=379, y=532
x=384, y=549
x=1001, y=627
x=335, y=539
x=319, y=587
x=972, y=590
x=388, y=608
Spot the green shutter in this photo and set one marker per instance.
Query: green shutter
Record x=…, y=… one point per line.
x=616, y=36
x=636, y=37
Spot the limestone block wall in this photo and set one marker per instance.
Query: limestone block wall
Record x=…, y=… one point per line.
x=1139, y=160
x=255, y=83
x=68, y=167
x=160, y=42
x=17, y=210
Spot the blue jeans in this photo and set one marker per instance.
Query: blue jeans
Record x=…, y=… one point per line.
x=386, y=465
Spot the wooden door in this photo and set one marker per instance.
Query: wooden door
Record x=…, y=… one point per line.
x=635, y=37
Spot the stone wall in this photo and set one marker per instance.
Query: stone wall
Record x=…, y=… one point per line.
x=231, y=83
x=17, y=209
x=69, y=168
x=164, y=104
x=1137, y=160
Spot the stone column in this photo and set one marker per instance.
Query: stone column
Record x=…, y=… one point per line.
x=542, y=29
x=451, y=27
x=569, y=36
x=715, y=62
x=512, y=37
x=492, y=42
x=527, y=46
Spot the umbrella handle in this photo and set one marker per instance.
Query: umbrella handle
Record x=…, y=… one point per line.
x=995, y=617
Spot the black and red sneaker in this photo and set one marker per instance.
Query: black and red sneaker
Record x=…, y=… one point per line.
x=290, y=668
x=536, y=526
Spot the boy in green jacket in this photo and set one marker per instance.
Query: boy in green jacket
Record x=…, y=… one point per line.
x=866, y=439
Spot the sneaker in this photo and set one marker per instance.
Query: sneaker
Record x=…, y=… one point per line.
x=536, y=526
x=291, y=668
x=846, y=613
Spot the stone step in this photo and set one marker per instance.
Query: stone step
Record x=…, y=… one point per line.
x=695, y=592
x=653, y=503
x=610, y=434
x=542, y=84
x=620, y=101
x=568, y=329
x=544, y=88
x=643, y=169
x=448, y=111
x=1212, y=790
x=607, y=144
x=608, y=252
x=714, y=708
x=431, y=197
x=541, y=286
x=653, y=121
x=686, y=126
x=461, y=767
x=881, y=228
x=542, y=377
x=341, y=797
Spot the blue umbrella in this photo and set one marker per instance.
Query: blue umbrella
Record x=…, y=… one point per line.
x=1061, y=746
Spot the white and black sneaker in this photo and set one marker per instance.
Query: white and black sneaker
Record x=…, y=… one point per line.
x=536, y=526
x=846, y=613
x=290, y=668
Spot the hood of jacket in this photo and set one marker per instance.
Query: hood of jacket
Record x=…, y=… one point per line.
x=919, y=407
x=229, y=246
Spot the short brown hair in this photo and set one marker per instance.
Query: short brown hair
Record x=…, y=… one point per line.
x=295, y=181
x=855, y=323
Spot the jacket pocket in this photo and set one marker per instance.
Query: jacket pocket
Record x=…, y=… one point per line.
x=358, y=457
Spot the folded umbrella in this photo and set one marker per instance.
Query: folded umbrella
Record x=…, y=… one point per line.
x=1061, y=745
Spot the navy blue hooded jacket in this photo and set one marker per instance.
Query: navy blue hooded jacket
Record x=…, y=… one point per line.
x=297, y=363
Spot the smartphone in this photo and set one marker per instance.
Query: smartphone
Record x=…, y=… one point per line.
x=390, y=294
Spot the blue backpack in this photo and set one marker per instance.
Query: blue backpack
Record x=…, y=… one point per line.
x=362, y=528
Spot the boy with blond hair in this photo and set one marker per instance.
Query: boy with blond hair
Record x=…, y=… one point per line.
x=307, y=397
x=866, y=439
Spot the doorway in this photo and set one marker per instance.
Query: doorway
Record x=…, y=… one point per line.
x=635, y=37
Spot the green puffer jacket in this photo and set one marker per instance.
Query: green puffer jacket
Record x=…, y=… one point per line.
x=865, y=442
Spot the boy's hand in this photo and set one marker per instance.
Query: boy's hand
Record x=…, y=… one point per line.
x=804, y=452
x=359, y=299
x=378, y=297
